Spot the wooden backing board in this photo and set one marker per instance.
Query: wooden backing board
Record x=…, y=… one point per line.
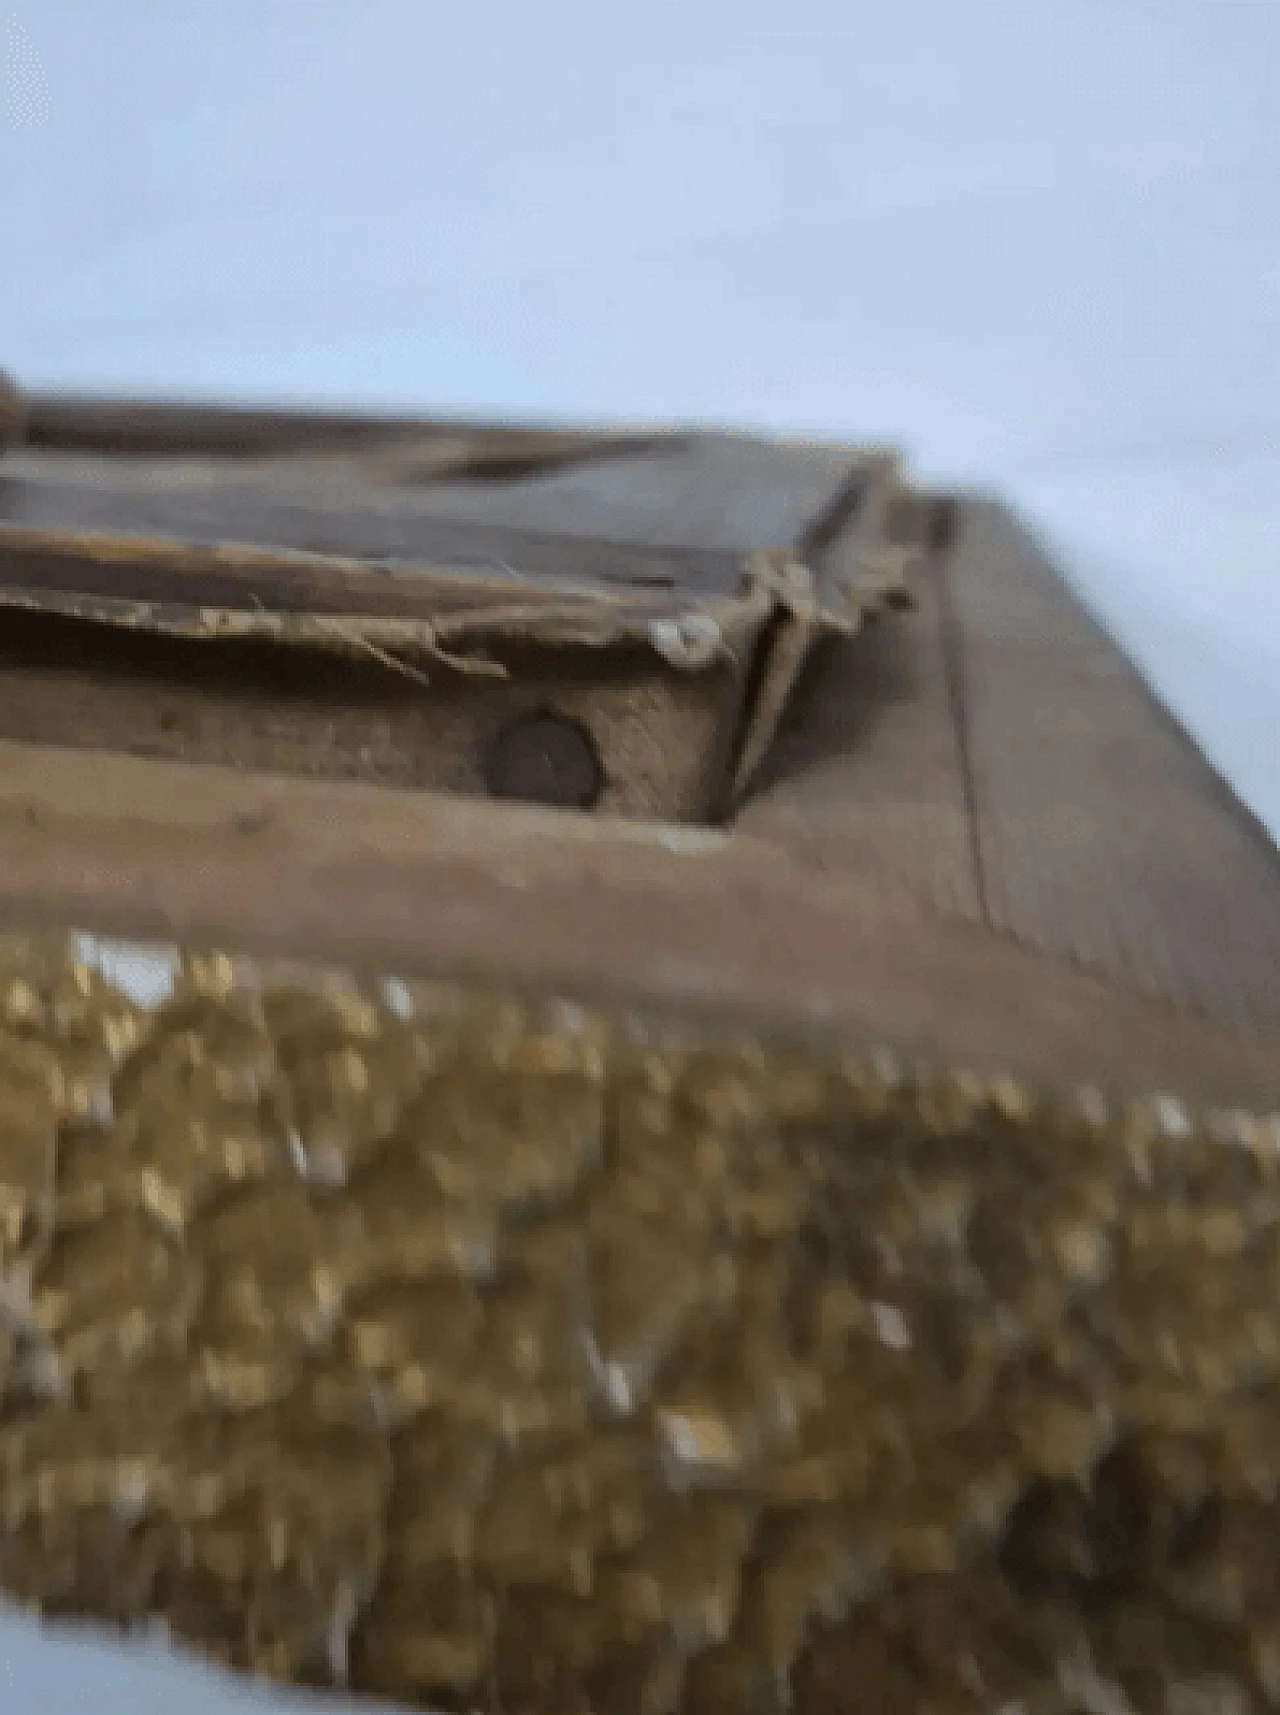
x=722, y=492
x=284, y=527
x=353, y=527
x=686, y=510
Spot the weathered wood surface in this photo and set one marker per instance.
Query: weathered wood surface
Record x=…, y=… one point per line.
x=591, y=905
x=368, y=535
x=140, y=428
x=1105, y=836
x=695, y=507
x=996, y=755
x=724, y=493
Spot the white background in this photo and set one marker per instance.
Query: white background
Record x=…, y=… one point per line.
x=1039, y=243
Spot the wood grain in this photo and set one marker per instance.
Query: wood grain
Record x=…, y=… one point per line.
x=996, y=757
x=1105, y=836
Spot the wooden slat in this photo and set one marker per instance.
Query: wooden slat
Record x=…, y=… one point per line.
x=417, y=885
x=269, y=518
x=718, y=494
x=136, y=428
x=1105, y=837
x=721, y=493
